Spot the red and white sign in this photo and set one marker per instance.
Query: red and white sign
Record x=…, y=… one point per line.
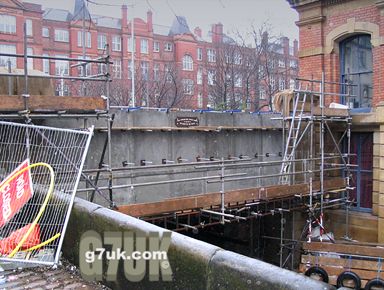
x=15, y=191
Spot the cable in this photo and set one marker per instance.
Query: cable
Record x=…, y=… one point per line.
x=43, y=243
x=150, y=6
x=103, y=4
x=177, y=17
x=42, y=208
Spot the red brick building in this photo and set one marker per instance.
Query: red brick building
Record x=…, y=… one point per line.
x=344, y=39
x=174, y=67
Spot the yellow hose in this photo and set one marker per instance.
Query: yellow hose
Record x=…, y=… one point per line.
x=43, y=243
x=42, y=208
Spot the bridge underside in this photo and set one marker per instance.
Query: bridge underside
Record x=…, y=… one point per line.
x=202, y=210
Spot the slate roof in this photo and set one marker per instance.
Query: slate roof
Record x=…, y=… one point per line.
x=161, y=29
x=57, y=14
x=179, y=26
x=105, y=21
x=81, y=11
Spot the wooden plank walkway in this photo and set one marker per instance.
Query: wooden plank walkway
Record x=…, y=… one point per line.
x=214, y=199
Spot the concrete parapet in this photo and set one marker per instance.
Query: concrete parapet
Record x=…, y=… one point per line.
x=195, y=264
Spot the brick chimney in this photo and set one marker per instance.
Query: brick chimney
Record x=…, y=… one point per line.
x=217, y=33
x=285, y=44
x=198, y=31
x=149, y=21
x=124, y=18
x=295, y=47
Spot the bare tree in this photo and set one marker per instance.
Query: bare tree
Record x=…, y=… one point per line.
x=226, y=69
x=273, y=66
x=166, y=88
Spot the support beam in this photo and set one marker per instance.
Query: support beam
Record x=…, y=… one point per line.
x=39, y=103
x=235, y=196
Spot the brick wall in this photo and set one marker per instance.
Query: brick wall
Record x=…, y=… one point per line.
x=314, y=53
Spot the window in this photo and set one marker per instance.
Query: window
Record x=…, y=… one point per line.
x=131, y=44
x=199, y=100
x=281, y=84
x=87, y=39
x=61, y=35
x=46, y=65
x=130, y=69
x=101, y=68
x=156, y=46
x=356, y=69
x=81, y=67
x=7, y=48
x=61, y=66
x=45, y=32
x=227, y=58
x=188, y=86
x=144, y=96
x=262, y=93
x=156, y=70
x=168, y=46
x=7, y=24
x=211, y=55
x=261, y=70
x=211, y=77
x=144, y=69
x=116, y=68
x=62, y=89
x=101, y=41
x=29, y=60
x=199, y=80
x=362, y=174
x=248, y=104
x=116, y=43
x=199, y=53
x=168, y=71
x=238, y=81
x=272, y=63
x=187, y=62
x=144, y=46
x=29, y=27
x=281, y=63
x=293, y=63
x=238, y=100
x=237, y=58
x=272, y=83
x=292, y=84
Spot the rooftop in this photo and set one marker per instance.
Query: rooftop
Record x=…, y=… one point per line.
x=57, y=15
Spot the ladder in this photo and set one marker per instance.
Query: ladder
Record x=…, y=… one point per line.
x=293, y=135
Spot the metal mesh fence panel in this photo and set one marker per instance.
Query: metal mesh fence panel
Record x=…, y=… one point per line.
x=39, y=217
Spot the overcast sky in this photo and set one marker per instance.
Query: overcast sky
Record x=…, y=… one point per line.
x=234, y=14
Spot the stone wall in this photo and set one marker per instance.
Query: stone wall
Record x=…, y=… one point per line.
x=195, y=264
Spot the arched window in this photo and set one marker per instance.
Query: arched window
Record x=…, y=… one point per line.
x=356, y=69
x=187, y=62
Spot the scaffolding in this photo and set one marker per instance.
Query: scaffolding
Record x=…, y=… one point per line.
x=314, y=124
x=104, y=77
x=306, y=123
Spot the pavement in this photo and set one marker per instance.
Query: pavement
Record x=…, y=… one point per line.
x=65, y=276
